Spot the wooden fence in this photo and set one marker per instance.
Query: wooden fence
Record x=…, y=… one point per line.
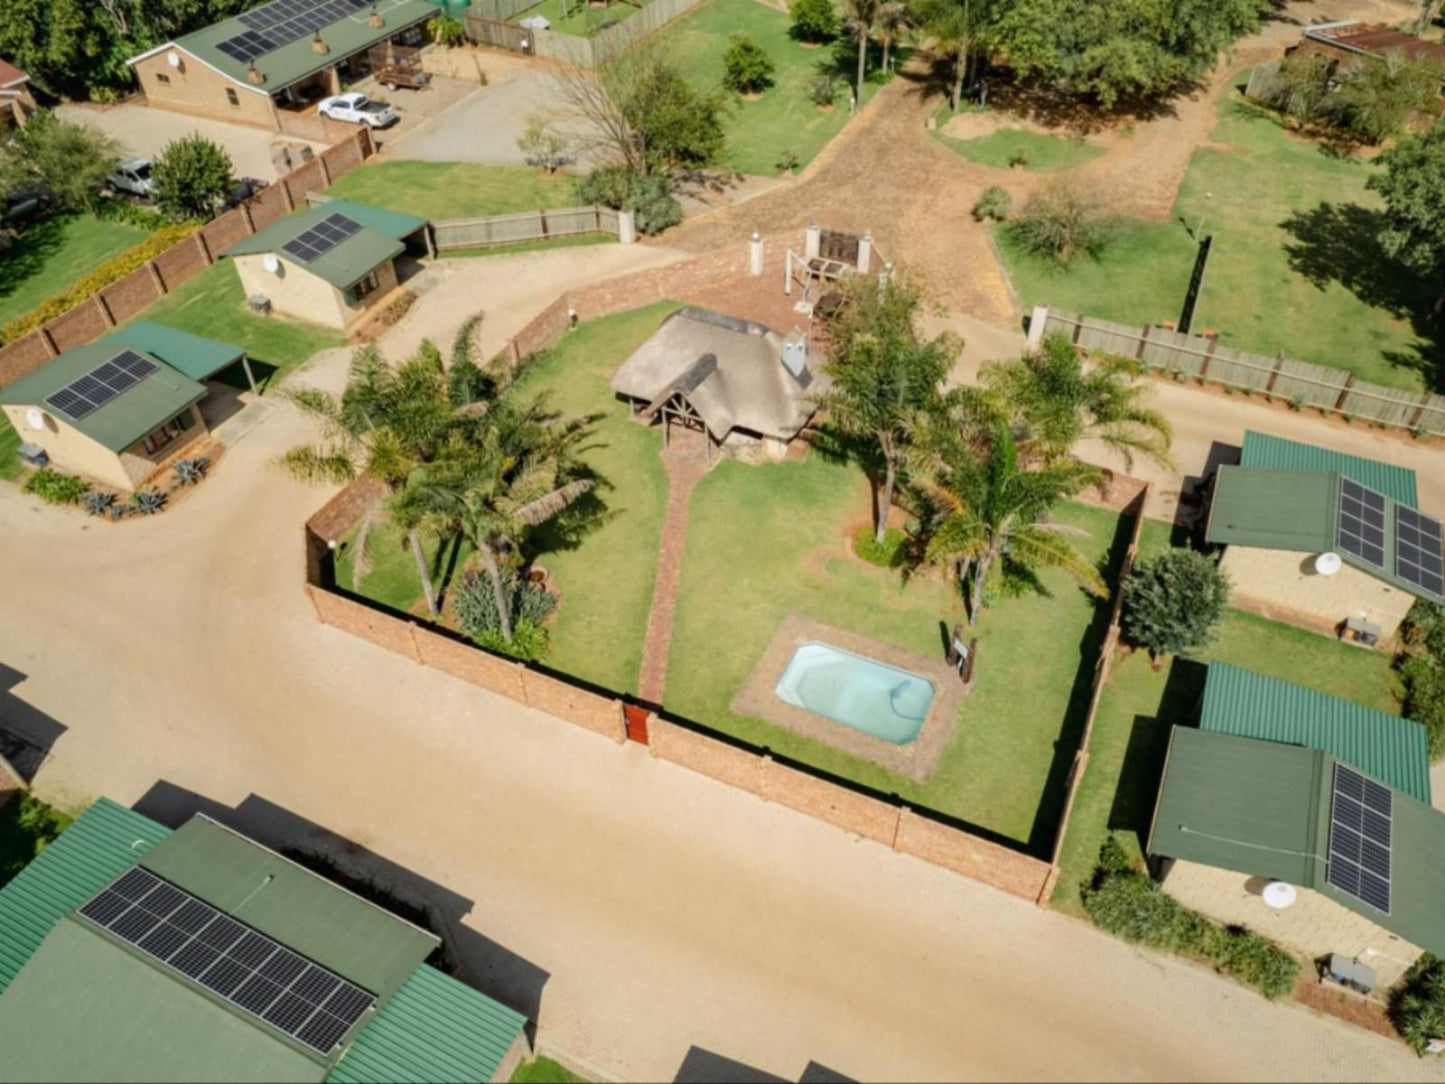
x=126, y=298
x=487, y=24
x=517, y=228
x=1203, y=358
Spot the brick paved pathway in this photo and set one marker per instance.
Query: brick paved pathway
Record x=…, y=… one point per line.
x=686, y=462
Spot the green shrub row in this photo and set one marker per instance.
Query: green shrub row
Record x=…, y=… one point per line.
x=134, y=214
x=1129, y=904
x=113, y=270
x=55, y=487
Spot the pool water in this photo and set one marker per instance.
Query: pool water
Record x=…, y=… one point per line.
x=869, y=696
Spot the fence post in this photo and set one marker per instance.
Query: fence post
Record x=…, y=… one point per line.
x=247, y=218
x=47, y=340
x=205, y=248
x=325, y=170
x=1274, y=373
x=626, y=226
x=156, y=278
x=1345, y=391
x=1208, y=356
x=104, y=308
x=1037, y=322
x=1419, y=410
x=1143, y=342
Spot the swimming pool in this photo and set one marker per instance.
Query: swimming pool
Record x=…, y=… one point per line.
x=870, y=696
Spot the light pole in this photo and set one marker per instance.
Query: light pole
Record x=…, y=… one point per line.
x=1199, y=230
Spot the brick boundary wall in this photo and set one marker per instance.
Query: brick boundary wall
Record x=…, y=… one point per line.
x=893, y=825
x=131, y=295
x=1139, y=496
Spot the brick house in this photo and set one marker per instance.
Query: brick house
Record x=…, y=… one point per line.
x=16, y=102
x=119, y=409
x=331, y=264
x=1349, y=40
x=1327, y=541
x=256, y=66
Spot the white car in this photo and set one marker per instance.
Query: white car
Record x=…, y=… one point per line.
x=358, y=109
x=132, y=175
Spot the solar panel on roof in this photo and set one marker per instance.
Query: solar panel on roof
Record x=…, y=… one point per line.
x=321, y=238
x=1419, y=553
x=102, y=384
x=247, y=968
x=1362, y=523
x=1360, y=834
x=282, y=22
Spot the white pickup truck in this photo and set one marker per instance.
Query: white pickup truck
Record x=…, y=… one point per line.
x=358, y=109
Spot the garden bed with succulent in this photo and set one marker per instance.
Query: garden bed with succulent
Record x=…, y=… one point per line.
x=159, y=494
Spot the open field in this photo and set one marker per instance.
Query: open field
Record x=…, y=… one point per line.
x=784, y=118
x=443, y=190
x=1140, y=703
x=1296, y=265
x=52, y=253
x=1042, y=153
x=581, y=19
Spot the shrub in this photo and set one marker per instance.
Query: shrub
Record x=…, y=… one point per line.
x=113, y=270
x=530, y=605
x=824, y=86
x=192, y=176
x=134, y=214
x=886, y=554
x=1417, y=1003
x=787, y=162
x=814, y=21
x=648, y=197
x=993, y=202
x=446, y=29
x=1060, y=223
x=191, y=471
x=746, y=68
x=97, y=501
x=543, y=146
x=1020, y=158
x=55, y=487
x=147, y=502
x=1173, y=601
x=1257, y=961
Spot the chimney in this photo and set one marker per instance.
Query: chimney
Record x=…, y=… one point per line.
x=319, y=46
x=376, y=20
x=253, y=76
x=795, y=356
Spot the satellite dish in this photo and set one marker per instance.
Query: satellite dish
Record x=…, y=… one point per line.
x=1279, y=894
x=1327, y=564
x=173, y=59
x=271, y=263
x=34, y=418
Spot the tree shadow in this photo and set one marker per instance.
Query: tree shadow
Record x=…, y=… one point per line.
x=1051, y=106
x=1340, y=243
x=32, y=250
x=833, y=445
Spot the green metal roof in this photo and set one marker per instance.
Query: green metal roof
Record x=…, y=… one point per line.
x=1262, y=808
x=190, y=355
x=432, y=1029
x=1276, y=453
x=296, y=60
x=87, y=1009
x=378, y=240
x=140, y=409
x=1250, y=705
x=101, y=844
x=358, y=940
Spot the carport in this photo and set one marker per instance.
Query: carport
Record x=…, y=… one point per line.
x=192, y=356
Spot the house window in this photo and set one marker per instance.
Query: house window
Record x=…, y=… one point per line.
x=162, y=77
x=170, y=431
x=362, y=289
x=232, y=96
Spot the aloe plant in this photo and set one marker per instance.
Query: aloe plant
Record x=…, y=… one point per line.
x=148, y=501
x=191, y=471
x=97, y=502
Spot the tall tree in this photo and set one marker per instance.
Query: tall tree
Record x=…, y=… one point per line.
x=1055, y=403
x=1413, y=188
x=955, y=27
x=70, y=160
x=192, y=177
x=883, y=374
x=990, y=509
x=861, y=16
x=893, y=19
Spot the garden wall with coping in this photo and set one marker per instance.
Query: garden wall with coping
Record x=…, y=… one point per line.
x=129, y=296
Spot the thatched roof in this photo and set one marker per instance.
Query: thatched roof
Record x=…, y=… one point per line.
x=730, y=370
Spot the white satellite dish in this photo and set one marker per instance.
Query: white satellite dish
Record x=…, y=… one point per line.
x=1279, y=894
x=271, y=263
x=1327, y=564
x=34, y=418
x=173, y=59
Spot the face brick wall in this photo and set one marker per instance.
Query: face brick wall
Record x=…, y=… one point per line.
x=130, y=295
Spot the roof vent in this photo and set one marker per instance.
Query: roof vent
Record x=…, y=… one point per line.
x=376, y=20
x=795, y=354
x=319, y=46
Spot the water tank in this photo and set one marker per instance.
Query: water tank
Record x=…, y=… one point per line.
x=1280, y=894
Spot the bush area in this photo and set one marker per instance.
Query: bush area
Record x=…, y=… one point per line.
x=650, y=197
x=54, y=252
x=1417, y=1003
x=112, y=270
x=1129, y=904
x=1422, y=670
x=27, y=827
x=886, y=554
x=55, y=487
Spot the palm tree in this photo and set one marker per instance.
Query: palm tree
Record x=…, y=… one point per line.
x=1054, y=403
x=952, y=24
x=386, y=423
x=516, y=472
x=989, y=509
x=862, y=16
x=893, y=19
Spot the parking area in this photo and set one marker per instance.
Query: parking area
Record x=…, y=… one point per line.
x=144, y=131
x=417, y=109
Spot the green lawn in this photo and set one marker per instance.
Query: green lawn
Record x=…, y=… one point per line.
x=1046, y=153
x=604, y=577
x=213, y=304
x=9, y=450
x=27, y=826
x=784, y=118
x=444, y=190
x=1296, y=264
x=1004, y=768
x=544, y=1071
x=580, y=19
x=1131, y=732
x=52, y=253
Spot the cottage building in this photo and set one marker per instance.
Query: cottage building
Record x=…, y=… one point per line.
x=117, y=410
x=16, y=102
x=131, y=952
x=252, y=68
x=740, y=383
x=1332, y=542
x=1349, y=40
x=330, y=264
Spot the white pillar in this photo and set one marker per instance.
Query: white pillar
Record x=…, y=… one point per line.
x=865, y=251
x=627, y=227
x=1036, y=327
x=755, y=254
x=813, y=241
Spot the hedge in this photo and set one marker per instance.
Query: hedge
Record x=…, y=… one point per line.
x=113, y=270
